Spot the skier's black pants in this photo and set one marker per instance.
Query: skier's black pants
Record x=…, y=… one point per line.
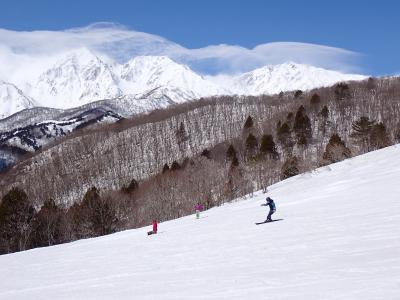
x=270, y=214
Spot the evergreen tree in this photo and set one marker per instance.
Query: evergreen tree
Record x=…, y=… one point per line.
x=335, y=150
x=278, y=125
x=298, y=94
x=251, y=143
x=290, y=167
x=235, y=162
x=48, y=225
x=379, y=137
x=16, y=215
x=362, y=130
x=181, y=134
x=133, y=185
x=249, y=123
x=315, y=100
x=290, y=119
x=324, y=112
x=284, y=135
x=302, y=126
x=231, y=156
x=206, y=153
x=175, y=166
x=94, y=216
x=165, y=168
x=371, y=84
x=342, y=91
x=230, y=153
x=268, y=146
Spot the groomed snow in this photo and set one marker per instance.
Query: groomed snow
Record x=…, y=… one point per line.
x=340, y=239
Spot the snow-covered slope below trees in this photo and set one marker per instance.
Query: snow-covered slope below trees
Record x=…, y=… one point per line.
x=80, y=76
x=339, y=239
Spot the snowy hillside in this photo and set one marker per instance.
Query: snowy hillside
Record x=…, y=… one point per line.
x=12, y=100
x=339, y=239
x=79, y=77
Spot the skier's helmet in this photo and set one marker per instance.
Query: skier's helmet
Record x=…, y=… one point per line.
x=268, y=199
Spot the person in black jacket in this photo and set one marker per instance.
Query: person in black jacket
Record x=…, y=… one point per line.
x=272, y=208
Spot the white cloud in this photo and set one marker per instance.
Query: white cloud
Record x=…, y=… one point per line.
x=122, y=43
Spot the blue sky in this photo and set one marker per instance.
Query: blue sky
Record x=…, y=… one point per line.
x=369, y=29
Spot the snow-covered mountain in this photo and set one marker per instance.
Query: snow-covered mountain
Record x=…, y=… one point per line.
x=76, y=79
x=339, y=239
x=160, y=71
x=289, y=76
x=12, y=100
x=80, y=77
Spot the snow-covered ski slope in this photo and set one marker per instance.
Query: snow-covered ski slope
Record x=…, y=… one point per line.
x=340, y=239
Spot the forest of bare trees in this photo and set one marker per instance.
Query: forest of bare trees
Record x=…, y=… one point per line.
x=215, y=150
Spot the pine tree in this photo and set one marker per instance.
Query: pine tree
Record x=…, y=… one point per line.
x=342, y=91
x=181, y=134
x=268, y=146
x=290, y=119
x=249, y=123
x=298, y=94
x=362, y=130
x=165, y=168
x=94, y=216
x=175, y=166
x=379, y=137
x=133, y=185
x=290, y=167
x=251, y=143
x=285, y=137
x=278, y=125
x=335, y=150
x=302, y=126
x=235, y=162
x=315, y=100
x=324, y=112
x=16, y=216
x=206, y=153
x=230, y=153
x=231, y=156
x=48, y=225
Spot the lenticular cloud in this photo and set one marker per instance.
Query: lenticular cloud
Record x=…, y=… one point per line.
x=121, y=44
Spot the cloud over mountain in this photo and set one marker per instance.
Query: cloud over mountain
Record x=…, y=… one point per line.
x=120, y=43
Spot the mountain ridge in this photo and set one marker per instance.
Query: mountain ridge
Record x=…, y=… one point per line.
x=80, y=77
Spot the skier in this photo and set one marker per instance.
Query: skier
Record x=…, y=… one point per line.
x=198, y=207
x=272, y=208
x=154, y=231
